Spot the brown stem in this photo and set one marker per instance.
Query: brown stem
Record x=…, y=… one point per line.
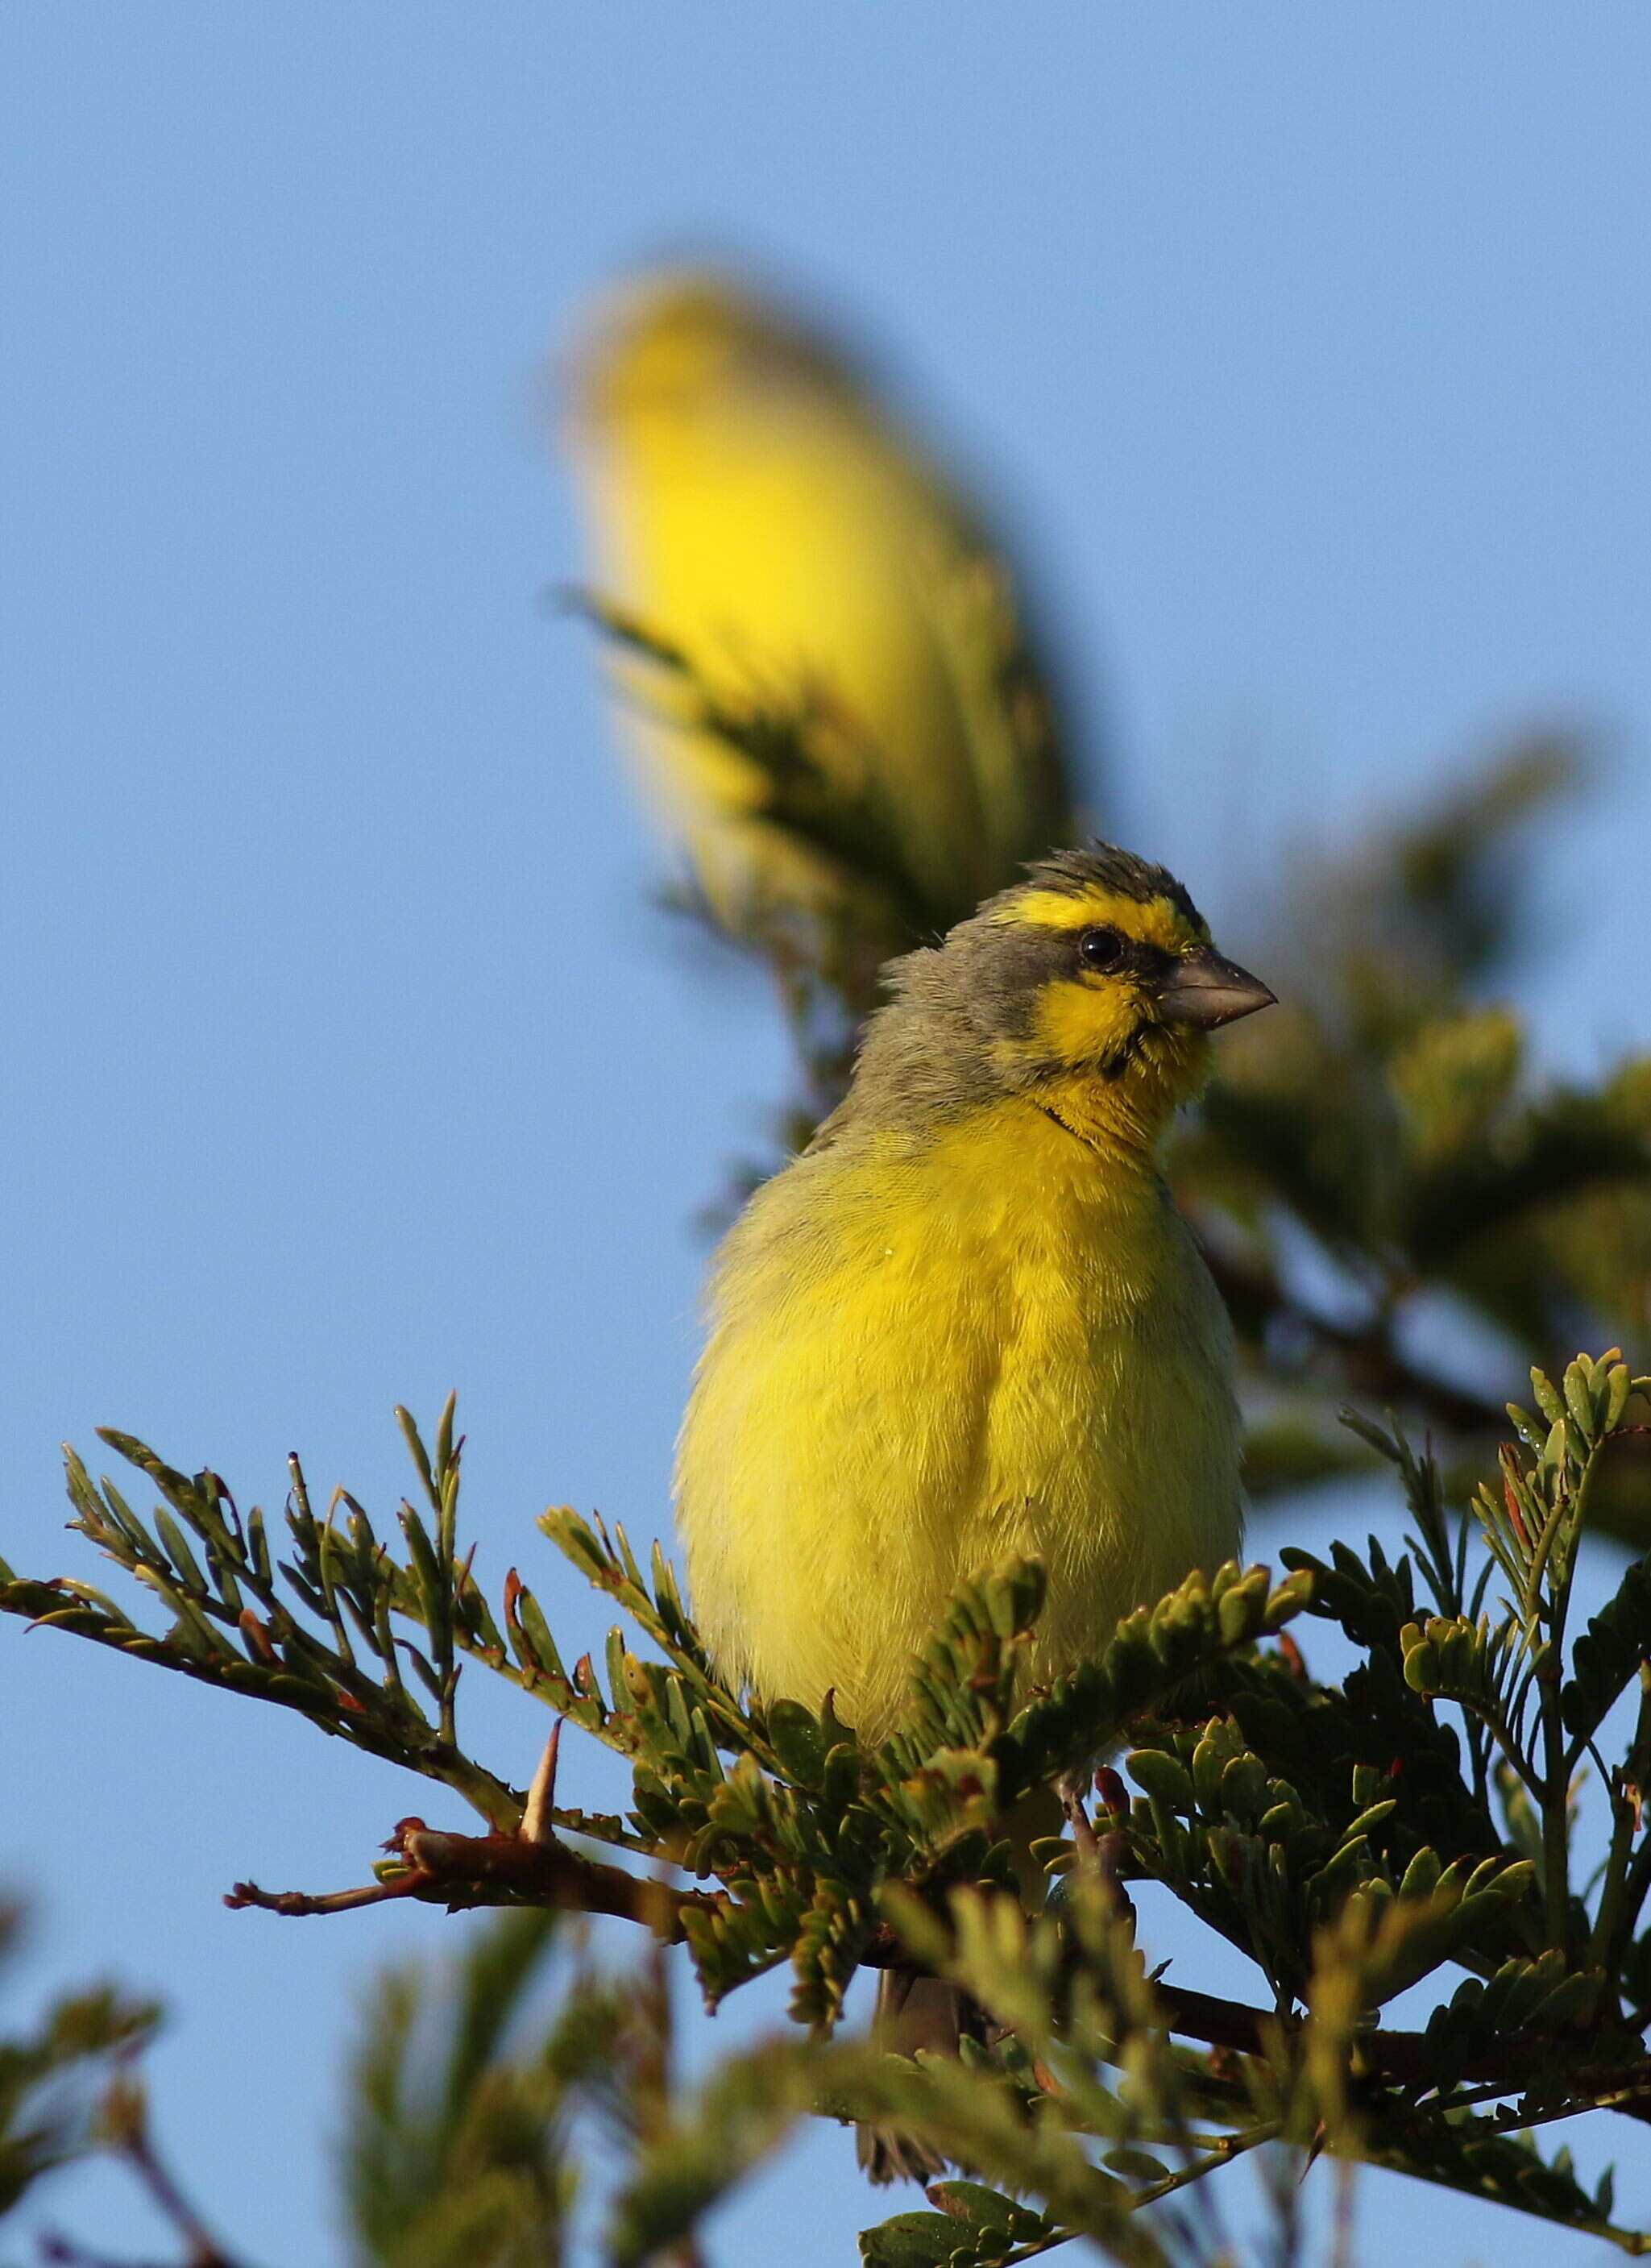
x=479, y=1870
x=1400, y=2057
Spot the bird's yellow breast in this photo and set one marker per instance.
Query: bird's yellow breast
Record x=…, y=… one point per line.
x=928, y=1352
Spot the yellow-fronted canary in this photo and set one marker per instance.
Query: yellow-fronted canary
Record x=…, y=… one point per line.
x=759, y=514
x=967, y=1322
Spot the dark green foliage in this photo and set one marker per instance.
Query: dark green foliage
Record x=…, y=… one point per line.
x=453, y=2152
x=1350, y=1841
x=470, y=2105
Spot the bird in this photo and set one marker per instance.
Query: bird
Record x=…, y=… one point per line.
x=761, y=516
x=967, y=1322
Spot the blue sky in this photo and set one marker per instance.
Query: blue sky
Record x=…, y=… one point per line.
x=1308, y=349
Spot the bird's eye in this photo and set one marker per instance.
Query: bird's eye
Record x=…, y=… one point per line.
x=1101, y=949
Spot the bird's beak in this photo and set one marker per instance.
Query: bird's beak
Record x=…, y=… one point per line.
x=1207, y=989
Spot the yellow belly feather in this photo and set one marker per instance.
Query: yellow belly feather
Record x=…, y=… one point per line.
x=927, y=1355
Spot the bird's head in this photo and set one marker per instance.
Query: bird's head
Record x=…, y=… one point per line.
x=1091, y=988
x=685, y=343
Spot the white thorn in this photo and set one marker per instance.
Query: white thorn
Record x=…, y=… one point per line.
x=536, y=1821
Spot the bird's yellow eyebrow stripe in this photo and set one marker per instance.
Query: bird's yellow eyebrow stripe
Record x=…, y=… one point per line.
x=1153, y=921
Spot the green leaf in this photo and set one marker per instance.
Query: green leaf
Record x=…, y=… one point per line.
x=986, y=2212
x=798, y=1744
x=1163, y=1778
x=914, y=2240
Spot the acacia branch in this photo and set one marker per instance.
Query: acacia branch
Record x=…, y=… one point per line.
x=496, y=1870
x=460, y=1871
x=530, y=1867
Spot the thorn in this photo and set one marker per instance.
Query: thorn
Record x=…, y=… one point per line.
x=537, y=1825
